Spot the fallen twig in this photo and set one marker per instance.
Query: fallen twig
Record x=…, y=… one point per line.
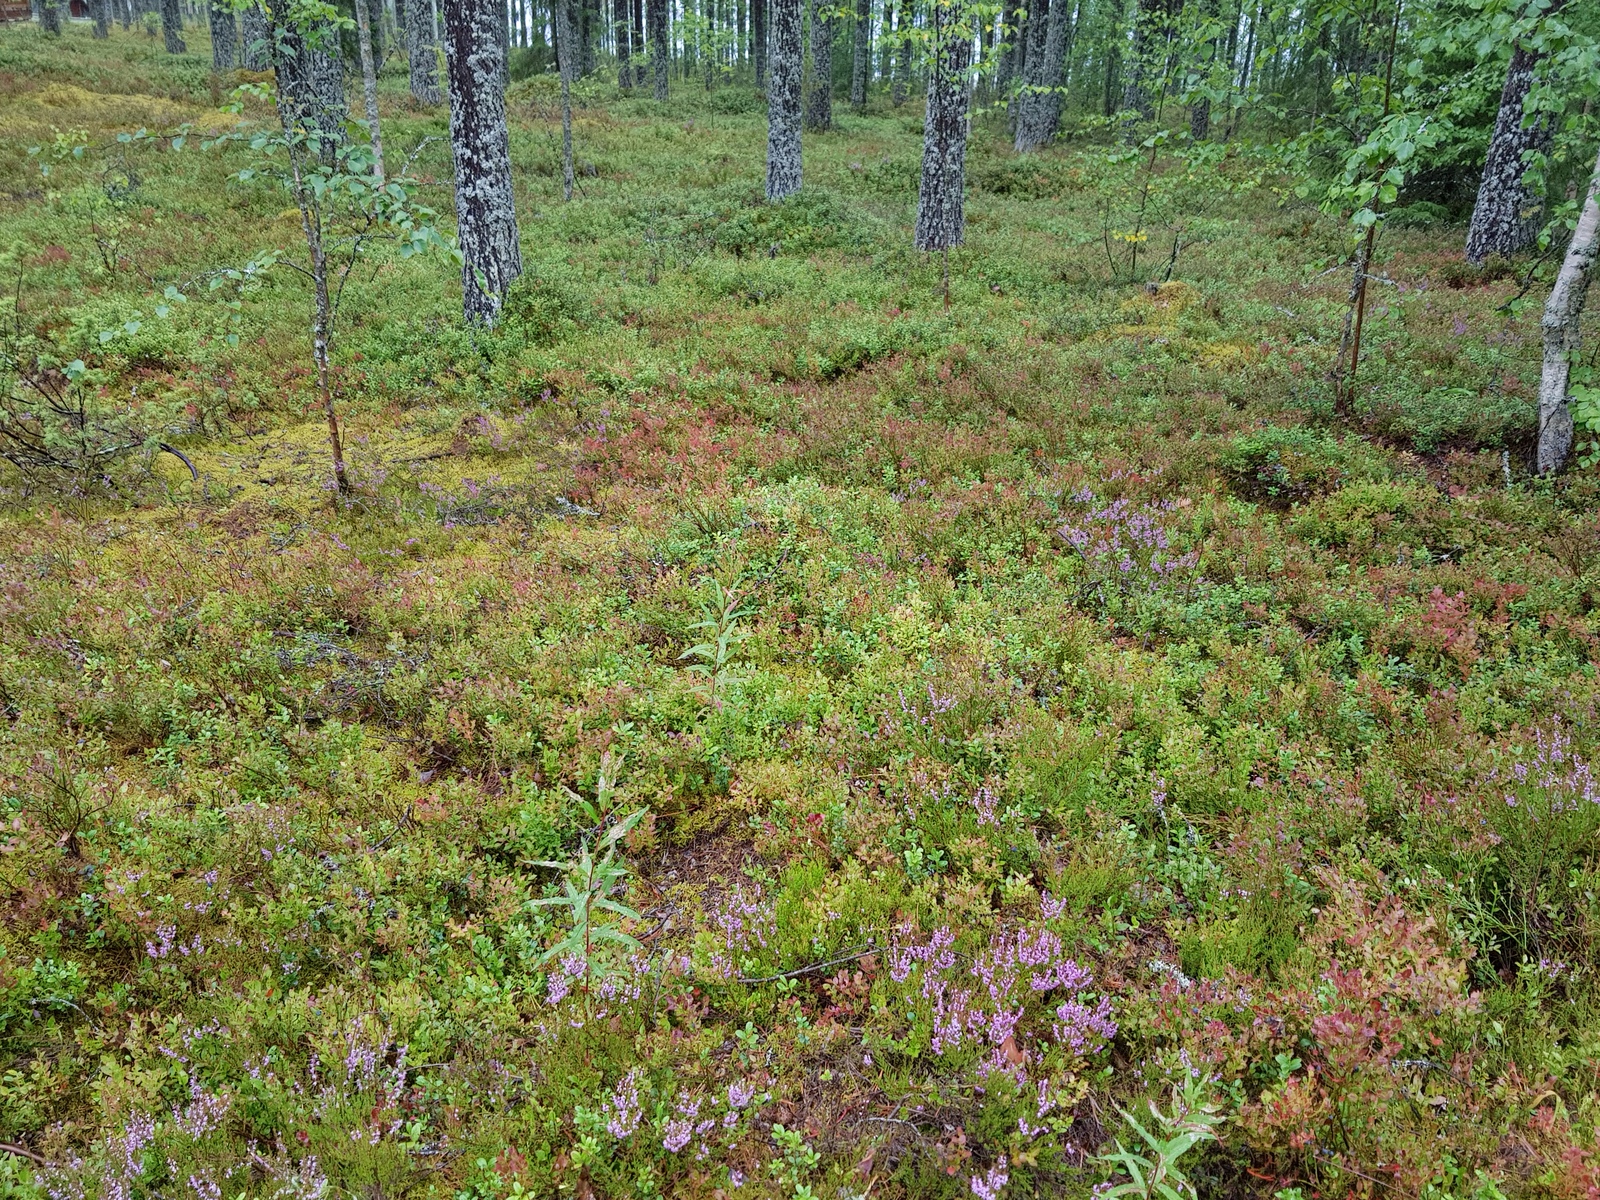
x=799, y=971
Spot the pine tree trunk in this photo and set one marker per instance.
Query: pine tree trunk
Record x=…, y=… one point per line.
x=310, y=85
x=224, y=38
x=783, y=101
x=1039, y=102
x=1135, y=91
x=486, y=214
x=660, y=46
x=50, y=18
x=861, y=51
x=254, y=33
x=566, y=67
x=586, y=32
x=369, y=86
x=940, y=217
x=624, y=44
x=1004, y=70
x=639, y=50
x=1563, y=330
x=901, y=86
x=758, y=41
x=422, y=53
x=172, y=27
x=819, y=97
x=100, y=10
x=1507, y=216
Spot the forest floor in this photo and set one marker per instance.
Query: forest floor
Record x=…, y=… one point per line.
x=1039, y=707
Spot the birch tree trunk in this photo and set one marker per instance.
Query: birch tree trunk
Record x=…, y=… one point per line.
x=422, y=53
x=224, y=38
x=566, y=67
x=253, y=54
x=1562, y=333
x=1507, y=216
x=783, y=102
x=1039, y=101
x=861, y=51
x=369, y=86
x=941, y=220
x=819, y=98
x=172, y=27
x=486, y=214
x=660, y=46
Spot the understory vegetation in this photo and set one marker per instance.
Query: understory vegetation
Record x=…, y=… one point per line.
x=749, y=728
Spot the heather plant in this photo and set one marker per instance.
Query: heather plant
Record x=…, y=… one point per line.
x=1080, y=716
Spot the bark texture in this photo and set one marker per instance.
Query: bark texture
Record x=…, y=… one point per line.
x=624, y=38
x=172, y=27
x=1005, y=69
x=310, y=84
x=783, y=102
x=486, y=214
x=1561, y=322
x=369, y=85
x=758, y=42
x=1039, y=101
x=861, y=55
x=50, y=19
x=100, y=10
x=941, y=221
x=422, y=53
x=1507, y=216
x=224, y=38
x=254, y=34
x=566, y=68
x=660, y=51
x=640, y=62
x=819, y=97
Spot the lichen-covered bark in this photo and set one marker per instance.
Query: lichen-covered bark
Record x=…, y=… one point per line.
x=783, y=101
x=310, y=83
x=1039, y=100
x=758, y=41
x=941, y=221
x=1563, y=329
x=861, y=51
x=660, y=47
x=100, y=11
x=224, y=38
x=50, y=18
x=819, y=97
x=422, y=53
x=1507, y=216
x=172, y=27
x=486, y=214
x=254, y=33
